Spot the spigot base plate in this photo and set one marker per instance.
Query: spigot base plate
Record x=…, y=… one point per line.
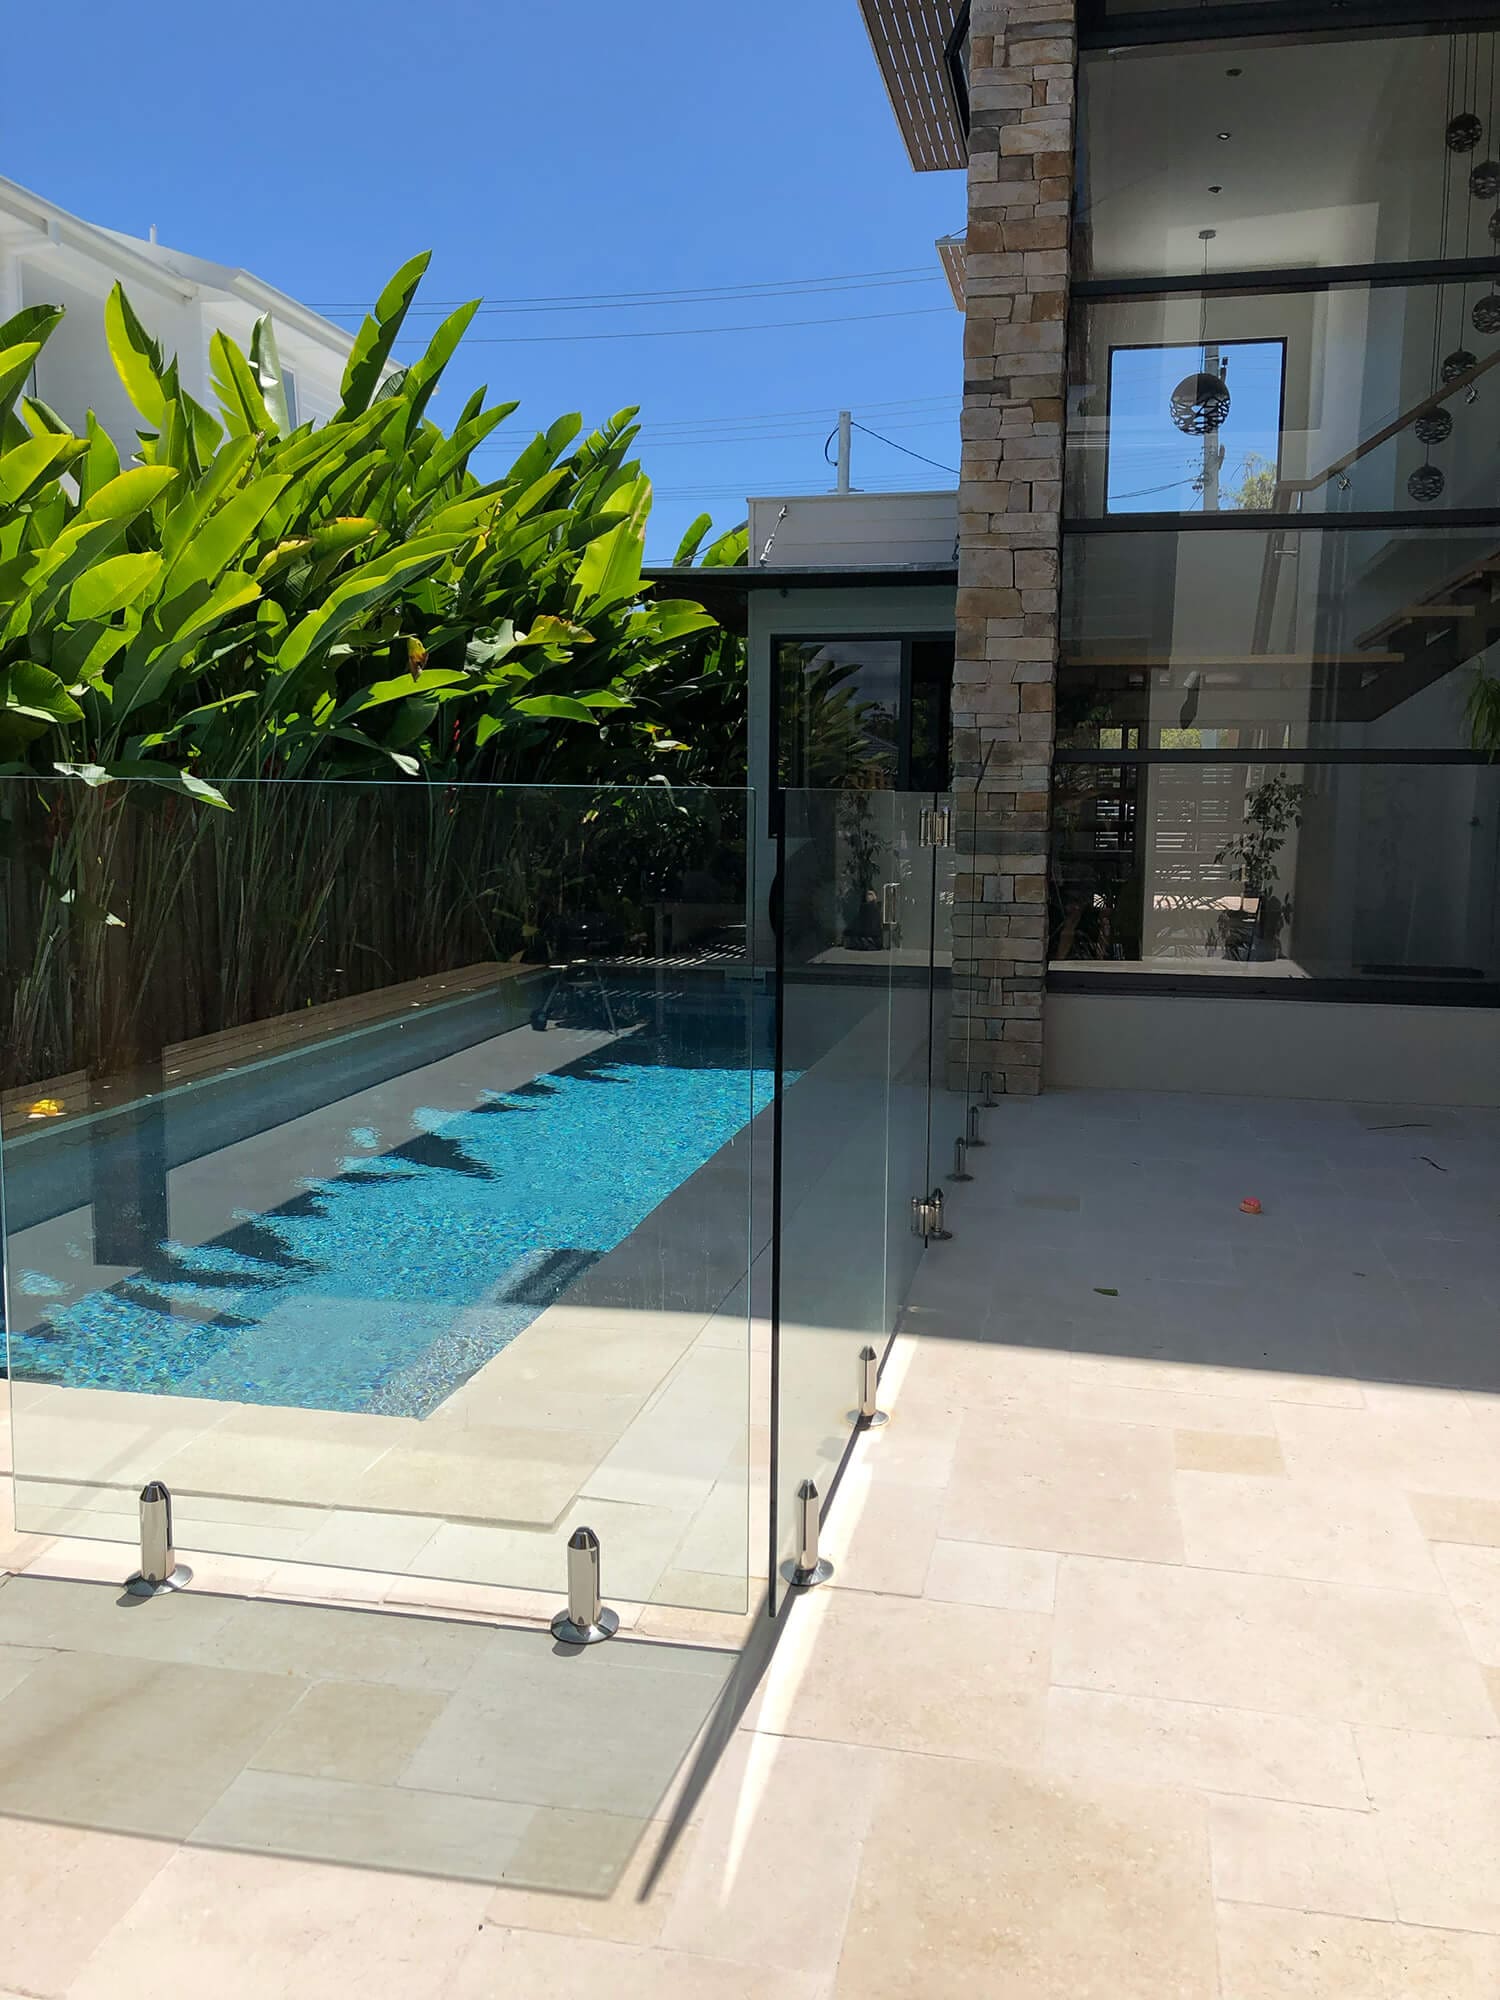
x=564, y=1629
x=876, y=1420
x=141, y=1586
x=804, y=1579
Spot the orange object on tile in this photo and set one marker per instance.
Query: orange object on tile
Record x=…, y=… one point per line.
x=1250, y=1206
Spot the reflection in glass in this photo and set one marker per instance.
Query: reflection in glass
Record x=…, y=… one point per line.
x=1285, y=870
x=1324, y=150
x=1336, y=398
x=864, y=713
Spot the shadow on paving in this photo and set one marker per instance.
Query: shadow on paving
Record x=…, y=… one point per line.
x=367, y=1738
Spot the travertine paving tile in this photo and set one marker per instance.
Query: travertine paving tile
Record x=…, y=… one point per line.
x=782, y=1830
x=1195, y=1745
x=366, y=1825
x=1023, y=1886
x=1220, y=1451
x=1096, y=1402
x=1419, y=1449
x=880, y=1535
x=590, y=1875
x=908, y=1674
x=247, y=1927
x=1283, y=1527
x=1321, y=1650
x=1473, y=1579
x=983, y=1573
x=530, y=1962
x=1267, y=1954
x=62, y=1888
x=359, y=1731
x=1299, y=1857
x=1058, y=1483
x=317, y=1642
x=607, y=1726
x=1437, y=1802
x=131, y=1745
x=1452, y=1517
x=466, y=1473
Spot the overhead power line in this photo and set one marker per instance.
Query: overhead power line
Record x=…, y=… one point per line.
x=901, y=447
x=693, y=332
x=748, y=288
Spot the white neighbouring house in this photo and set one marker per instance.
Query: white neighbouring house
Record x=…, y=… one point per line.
x=49, y=257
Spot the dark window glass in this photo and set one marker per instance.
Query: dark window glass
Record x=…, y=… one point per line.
x=1279, y=870
x=1321, y=151
x=867, y=714
x=1337, y=401
x=1289, y=639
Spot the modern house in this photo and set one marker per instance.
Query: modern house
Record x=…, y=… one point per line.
x=49, y=257
x=1226, y=544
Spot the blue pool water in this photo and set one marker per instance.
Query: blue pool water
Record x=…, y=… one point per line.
x=385, y=1286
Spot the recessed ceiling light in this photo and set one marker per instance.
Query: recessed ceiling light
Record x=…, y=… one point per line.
x=1216, y=189
x=1223, y=135
x=1234, y=72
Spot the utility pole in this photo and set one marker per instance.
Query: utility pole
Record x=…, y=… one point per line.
x=1212, y=450
x=846, y=425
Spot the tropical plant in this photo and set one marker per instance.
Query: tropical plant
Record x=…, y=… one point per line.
x=253, y=601
x=1482, y=713
x=252, y=598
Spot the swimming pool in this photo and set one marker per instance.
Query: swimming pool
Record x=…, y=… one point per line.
x=385, y=1284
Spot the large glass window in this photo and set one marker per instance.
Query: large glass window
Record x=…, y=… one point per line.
x=869, y=714
x=1282, y=870
x=1298, y=153
x=1336, y=401
x=1266, y=767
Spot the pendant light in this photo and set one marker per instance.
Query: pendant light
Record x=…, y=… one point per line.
x=1200, y=402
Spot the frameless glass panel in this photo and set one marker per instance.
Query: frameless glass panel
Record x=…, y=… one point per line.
x=377, y=1169
x=1359, y=399
x=840, y=915
x=1288, y=870
x=1327, y=150
x=859, y=907
x=909, y=1062
x=1287, y=639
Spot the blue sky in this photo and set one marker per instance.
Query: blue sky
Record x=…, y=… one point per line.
x=1152, y=464
x=543, y=151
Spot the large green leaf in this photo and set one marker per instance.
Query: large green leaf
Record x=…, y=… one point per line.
x=377, y=336
x=34, y=463
x=110, y=585
x=32, y=691
x=128, y=494
x=423, y=375
x=265, y=363
x=610, y=570
x=561, y=706
x=240, y=398
x=30, y=323
x=16, y=363
x=221, y=539
x=137, y=357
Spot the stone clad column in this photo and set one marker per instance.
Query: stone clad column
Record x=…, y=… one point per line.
x=1021, y=77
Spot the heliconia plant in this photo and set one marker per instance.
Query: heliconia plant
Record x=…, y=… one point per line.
x=248, y=598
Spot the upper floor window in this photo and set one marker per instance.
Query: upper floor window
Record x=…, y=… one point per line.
x=1328, y=150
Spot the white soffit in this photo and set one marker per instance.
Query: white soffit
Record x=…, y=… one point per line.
x=910, y=40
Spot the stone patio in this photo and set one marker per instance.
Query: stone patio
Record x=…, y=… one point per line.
x=1162, y=1660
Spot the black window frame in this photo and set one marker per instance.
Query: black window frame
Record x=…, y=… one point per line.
x=871, y=635
x=1289, y=22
